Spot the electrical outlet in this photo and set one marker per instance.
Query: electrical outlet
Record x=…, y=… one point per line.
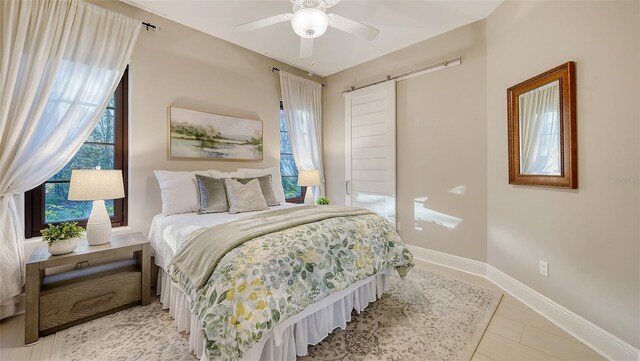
x=544, y=268
x=398, y=226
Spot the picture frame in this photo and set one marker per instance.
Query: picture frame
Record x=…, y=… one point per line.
x=564, y=129
x=197, y=135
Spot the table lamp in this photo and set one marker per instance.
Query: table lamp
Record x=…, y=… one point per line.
x=309, y=178
x=96, y=185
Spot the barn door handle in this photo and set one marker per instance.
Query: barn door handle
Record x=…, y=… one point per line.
x=347, y=188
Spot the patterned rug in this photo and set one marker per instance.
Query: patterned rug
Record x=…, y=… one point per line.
x=425, y=317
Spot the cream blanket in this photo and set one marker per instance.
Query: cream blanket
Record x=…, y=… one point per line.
x=200, y=255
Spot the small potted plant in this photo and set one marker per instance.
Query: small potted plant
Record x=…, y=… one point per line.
x=322, y=201
x=63, y=237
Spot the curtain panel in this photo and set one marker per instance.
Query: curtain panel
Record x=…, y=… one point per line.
x=59, y=65
x=540, y=136
x=302, y=102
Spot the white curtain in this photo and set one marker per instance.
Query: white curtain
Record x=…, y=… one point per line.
x=540, y=130
x=60, y=63
x=302, y=101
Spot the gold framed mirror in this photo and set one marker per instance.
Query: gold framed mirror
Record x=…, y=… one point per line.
x=542, y=130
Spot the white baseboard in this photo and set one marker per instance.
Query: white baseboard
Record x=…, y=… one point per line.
x=590, y=334
x=448, y=260
x=601, y=341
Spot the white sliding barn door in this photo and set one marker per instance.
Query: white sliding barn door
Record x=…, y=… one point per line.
x=370, y=137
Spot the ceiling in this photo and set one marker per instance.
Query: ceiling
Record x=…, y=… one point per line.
x=401, y=23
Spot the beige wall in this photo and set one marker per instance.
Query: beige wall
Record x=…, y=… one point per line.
x=589, y=236
x=183, y=67
x=441, y=144
x=447, y=121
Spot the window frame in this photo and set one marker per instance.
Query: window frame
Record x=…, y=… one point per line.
x=300, y=199
x=35, y=198
x=303, y=190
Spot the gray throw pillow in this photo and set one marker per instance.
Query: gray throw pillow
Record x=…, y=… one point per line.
x=244, y=197
x=212, y=194
x=266, y=185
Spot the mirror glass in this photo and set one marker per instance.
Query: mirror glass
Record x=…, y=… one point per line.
x=539, y=125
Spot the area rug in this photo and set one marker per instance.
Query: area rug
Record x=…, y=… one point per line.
x=424, y=317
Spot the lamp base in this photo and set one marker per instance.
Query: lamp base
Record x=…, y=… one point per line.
x=98, y=225
x=308, y=197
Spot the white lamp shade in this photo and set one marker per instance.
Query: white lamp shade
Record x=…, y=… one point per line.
x=93, y=185
x=309, y=178
x=309, y=22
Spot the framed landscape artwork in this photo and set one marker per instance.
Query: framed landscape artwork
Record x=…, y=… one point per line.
x=200, y=135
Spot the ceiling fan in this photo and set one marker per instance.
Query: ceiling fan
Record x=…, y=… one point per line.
x=310, y=20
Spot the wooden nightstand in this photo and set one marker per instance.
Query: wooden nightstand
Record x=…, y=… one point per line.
x=61, y=300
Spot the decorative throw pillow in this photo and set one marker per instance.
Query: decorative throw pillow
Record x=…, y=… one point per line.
x=266, y=185
x=244, y=197
x=213, y=195
x=278, y=190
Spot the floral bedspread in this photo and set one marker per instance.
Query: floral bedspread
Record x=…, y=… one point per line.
x=272, y=277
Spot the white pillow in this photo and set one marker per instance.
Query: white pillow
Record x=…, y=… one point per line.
x=278, y=191
x=179, y=191
x=218, y=174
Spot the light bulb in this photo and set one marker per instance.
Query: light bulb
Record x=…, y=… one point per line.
x=309, y=22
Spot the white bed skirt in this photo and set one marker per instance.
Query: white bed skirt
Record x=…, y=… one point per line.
x=290, y=337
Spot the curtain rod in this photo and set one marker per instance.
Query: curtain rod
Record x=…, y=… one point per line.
x=273, y=68
x=412, y=73
x=150, y=27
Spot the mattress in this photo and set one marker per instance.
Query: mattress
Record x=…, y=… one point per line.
x=167, y=233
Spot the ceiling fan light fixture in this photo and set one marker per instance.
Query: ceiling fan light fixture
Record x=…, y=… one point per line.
x=309, y=22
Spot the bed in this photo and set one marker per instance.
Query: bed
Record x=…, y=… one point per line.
x=280, y=289
x=165, y=248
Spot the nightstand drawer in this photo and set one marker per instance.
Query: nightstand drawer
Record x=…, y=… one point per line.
x=88, y=298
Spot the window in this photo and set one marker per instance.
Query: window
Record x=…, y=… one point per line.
x=293, y=193
x=106, y=147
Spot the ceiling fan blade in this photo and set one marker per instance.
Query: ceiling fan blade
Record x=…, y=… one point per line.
x=352, y=27
x=252, y=25
x=306, y=47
